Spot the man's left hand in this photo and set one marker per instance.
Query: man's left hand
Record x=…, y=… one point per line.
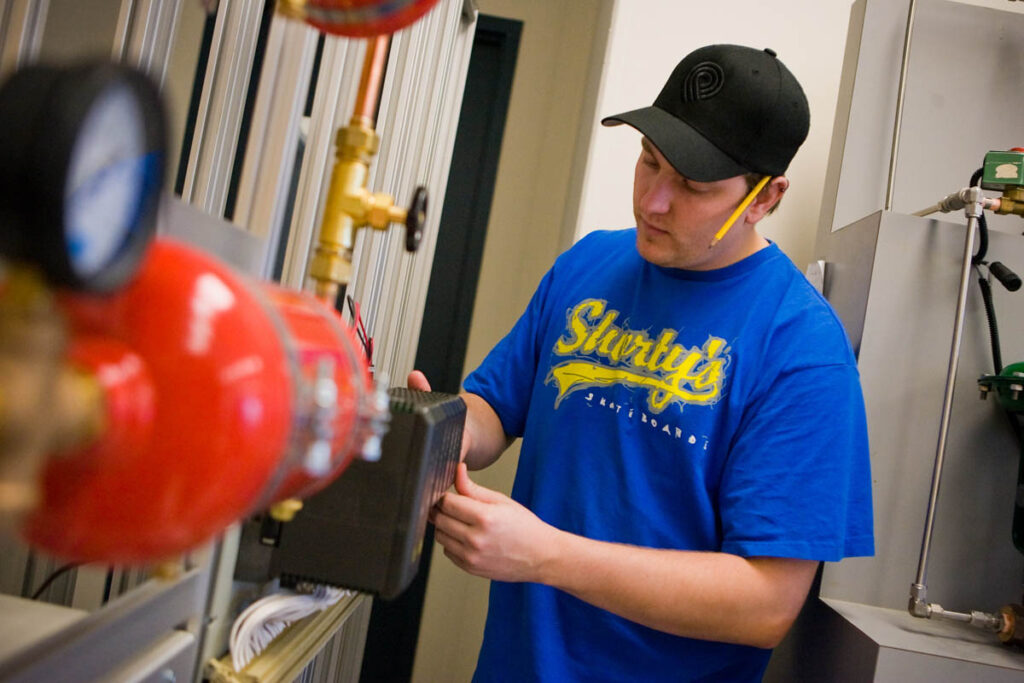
x=488, y=534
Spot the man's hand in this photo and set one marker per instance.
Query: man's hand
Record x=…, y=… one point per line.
x=418, y=381
x=488, y=534
x=706, y=595
x=483, y=438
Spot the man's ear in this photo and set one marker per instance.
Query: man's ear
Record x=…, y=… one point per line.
x=768, y=197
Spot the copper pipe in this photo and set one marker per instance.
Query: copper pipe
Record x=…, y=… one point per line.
x=349, y=205
x=370, y=81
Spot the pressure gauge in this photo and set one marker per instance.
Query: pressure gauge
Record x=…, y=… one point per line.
x=81, y=166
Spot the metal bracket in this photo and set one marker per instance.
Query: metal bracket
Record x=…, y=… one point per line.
x=470, y=10
x=816, y=273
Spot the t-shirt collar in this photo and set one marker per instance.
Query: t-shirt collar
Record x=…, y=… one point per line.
x=741, y=267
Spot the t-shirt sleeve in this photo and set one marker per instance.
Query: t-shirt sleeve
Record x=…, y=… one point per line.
x=797, y=482
x=505, y=378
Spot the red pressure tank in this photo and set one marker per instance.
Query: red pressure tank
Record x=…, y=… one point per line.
x=222, y=396
x=364, y=18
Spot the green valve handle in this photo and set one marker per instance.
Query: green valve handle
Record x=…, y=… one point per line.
x=1009, y=388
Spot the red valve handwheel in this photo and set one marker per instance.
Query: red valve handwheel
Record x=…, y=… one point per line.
x=363, y=18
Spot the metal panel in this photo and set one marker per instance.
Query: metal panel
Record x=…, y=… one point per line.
x=171, y=659
x=341, y=659
x=914, y=667
x=21, y=32
x=94, y=646
x=35, y=621
x=862, y=643
x=264, y=198
x=908, y=327
x=238, y=248
x=962, y=61
x=78, y=29
x=335, y=93
x=12, y=569
x=145, y=35
x=221, y=104
x=896, y=278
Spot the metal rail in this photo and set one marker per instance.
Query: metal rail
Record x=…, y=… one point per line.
x=900, y=97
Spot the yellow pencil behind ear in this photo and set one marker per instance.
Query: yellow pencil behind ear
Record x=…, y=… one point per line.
x=739, y=211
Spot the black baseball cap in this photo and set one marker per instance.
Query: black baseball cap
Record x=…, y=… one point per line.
x=726, y=110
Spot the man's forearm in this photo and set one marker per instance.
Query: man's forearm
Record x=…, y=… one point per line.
x=712, y=596
x=485, y=439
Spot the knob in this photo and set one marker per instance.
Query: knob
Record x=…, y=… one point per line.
x=415, y=219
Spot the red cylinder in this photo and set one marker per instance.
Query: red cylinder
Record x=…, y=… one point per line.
x=364, y=18
x=322, y=342
x=207, y=388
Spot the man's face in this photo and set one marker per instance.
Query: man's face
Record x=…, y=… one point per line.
x=677, y=218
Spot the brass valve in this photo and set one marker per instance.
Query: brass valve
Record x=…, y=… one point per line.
x=1012, y=201
x=1012, y=631
x=285, y=510
x=293, y=9
x=45, y=405
x=350, y=206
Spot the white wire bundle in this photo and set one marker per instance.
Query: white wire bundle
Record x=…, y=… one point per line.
x=262, y=621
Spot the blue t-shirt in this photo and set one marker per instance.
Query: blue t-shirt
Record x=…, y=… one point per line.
x=693, y=410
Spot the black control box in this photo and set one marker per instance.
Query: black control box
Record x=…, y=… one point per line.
x=365, y=530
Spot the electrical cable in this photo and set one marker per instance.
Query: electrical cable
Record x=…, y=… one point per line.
x=357, y=324
x=57, y=573
x=264, y=620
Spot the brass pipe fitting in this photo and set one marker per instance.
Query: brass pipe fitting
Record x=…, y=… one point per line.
x=285, y=510
x=293, y=9
x=1012, y=201
x=350, y=206
x=45, y=405
x=1012, y=632
x=344, y=212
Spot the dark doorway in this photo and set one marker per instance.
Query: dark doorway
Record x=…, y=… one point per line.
x=394, y=625
x=453, y=278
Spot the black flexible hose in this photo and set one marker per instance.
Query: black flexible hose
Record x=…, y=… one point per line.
x=997, y=357
x=993, y=327
x=976, y=176
x=982, y=226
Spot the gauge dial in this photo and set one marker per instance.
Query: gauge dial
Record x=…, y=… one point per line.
x=106, y=181
x=85, y=152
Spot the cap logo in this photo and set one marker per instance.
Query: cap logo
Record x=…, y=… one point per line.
x=703, y=82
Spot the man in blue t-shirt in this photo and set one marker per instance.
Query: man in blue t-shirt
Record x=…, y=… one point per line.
x=694, y=440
